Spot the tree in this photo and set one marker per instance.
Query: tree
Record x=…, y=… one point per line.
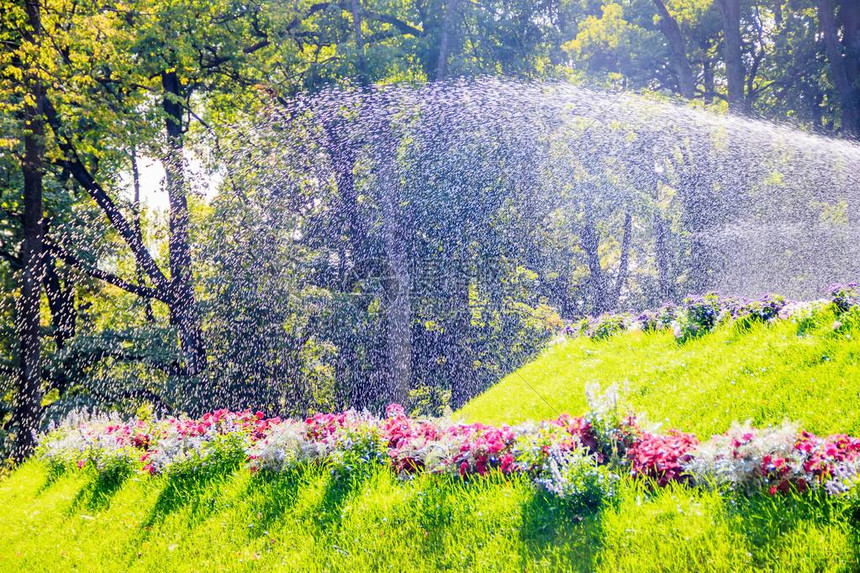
x=677, y=46
x=730, y=10
x=843, y=59
x=29, y=395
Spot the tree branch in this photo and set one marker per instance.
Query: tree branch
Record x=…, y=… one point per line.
x=103, y=200
x=140, y=290
x=404, y=27
x=12, y=259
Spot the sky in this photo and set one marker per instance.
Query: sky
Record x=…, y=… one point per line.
x=153, y=196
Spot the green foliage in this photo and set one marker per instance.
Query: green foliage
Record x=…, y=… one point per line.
x=223, y=454
x=429, y=401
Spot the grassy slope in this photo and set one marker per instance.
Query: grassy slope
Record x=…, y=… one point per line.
x=765, y=375
x=305, y=521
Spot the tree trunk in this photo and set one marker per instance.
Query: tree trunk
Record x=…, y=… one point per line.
x=665, y=289
x=28, y=400
x=842, y=70
x=677, y=48
x=140, y=272
x=398, y=311
x=590, y=244
x=701, y=211
x=730, y=10
x=624, y=262
x=458, y=326
x=64, y=315
x=184, y=313
x=708, y=80
x=849, y=14
x=446, y=38
x=361, y=64
x=458, y=323
x=61, y=301
x=355, y=390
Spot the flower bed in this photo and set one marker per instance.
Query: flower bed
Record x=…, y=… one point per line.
x=700, y=314
x=577, y=459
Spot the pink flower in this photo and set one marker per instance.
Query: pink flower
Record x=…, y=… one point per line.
x=394, y=410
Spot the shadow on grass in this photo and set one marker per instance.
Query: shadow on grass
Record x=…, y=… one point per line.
x=338, y=490
x=765, y=520
x=198, y=489
x=552, y=531
x=271, y=495
x=53, y=473
x=97, y=494
x=549, y=530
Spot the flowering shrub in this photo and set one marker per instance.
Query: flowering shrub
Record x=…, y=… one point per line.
x=284, y=447
x=844, y=296
x=662, y=457
x=777, y=460
x=766, y=309
x=661, y=319
x=484, y=448
x=102, y=442
x=700, y=314
x=411, y=444
x=575, y=459
x=613, y=430
x=606, y=325
x=574, y=476
x=182, y=445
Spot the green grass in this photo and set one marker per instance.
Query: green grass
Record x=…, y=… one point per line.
x=305, y=521
x=231, y=520
x=767, y=375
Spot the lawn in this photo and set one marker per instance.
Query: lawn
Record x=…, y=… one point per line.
x=306, y=522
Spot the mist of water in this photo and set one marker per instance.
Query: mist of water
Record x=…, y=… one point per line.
x=364, y=238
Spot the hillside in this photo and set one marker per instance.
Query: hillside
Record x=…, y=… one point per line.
x=766, y=374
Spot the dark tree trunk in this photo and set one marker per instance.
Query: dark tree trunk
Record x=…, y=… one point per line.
x=843, y=70
x=849, y=14
x=28, y=410
x=140, y=272
x=446, y=38
x=708, y=80
x=61, y=301
x=665, y=289
x=457, y=330
x=730, y=10
x=398, y=305
x=701, y=211
x=677, y=48
x=361, y=63
x=590, y=244
x=64, y=315
x=184, y=313
x=458, y=360
x=665, y=280
x=355, y=390
x=624, y=262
